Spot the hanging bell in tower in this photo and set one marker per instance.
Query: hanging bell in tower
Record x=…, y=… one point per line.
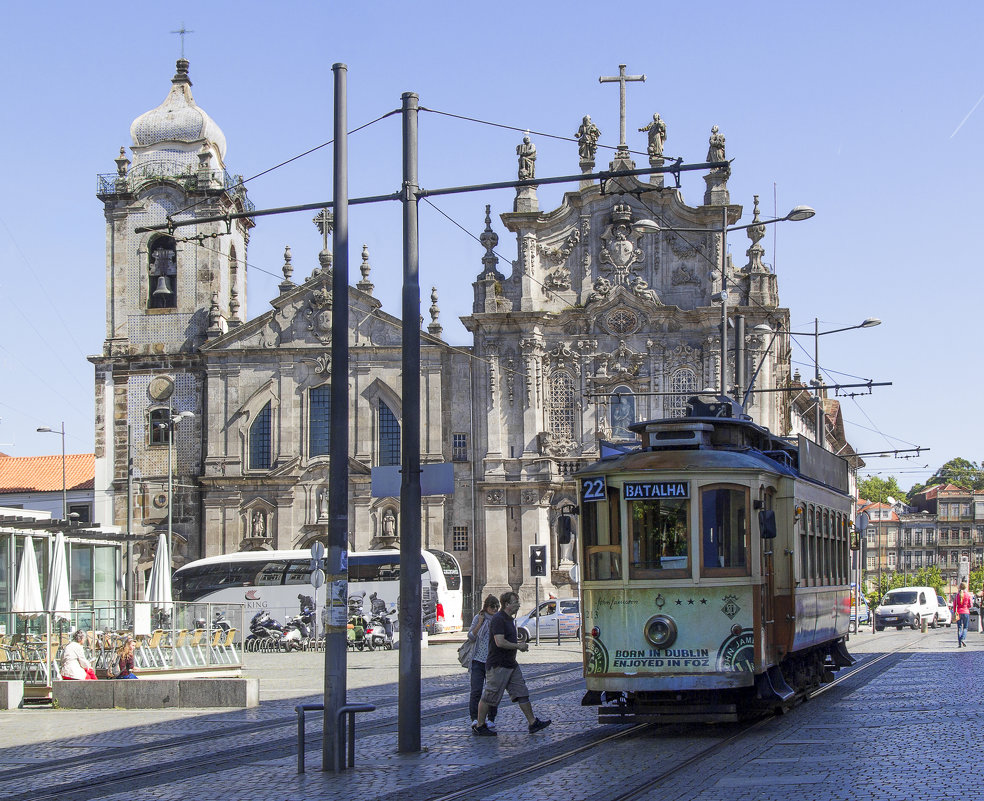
x=163, y=289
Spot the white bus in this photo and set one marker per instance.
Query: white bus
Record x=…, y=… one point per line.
x=273, y=580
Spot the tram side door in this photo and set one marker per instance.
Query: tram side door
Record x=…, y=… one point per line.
x=767, y=545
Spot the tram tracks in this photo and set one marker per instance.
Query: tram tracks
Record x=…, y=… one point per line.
x=175, y=762
x=634, y=787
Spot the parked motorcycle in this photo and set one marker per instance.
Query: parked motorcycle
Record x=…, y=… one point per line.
x=264, y=633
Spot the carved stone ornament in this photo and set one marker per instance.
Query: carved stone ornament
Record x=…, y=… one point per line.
x=318, y=312
x=563, y=357
x=557, y=281
x=555, y=445
x=683, y=275
x=621, y=364
x=622, y=322
x=619, y=251
x=560, y=255
x=530, y=497
x=495, y=497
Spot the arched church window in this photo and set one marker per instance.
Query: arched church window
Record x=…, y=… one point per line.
x=159, y=429
x=319, y=428
x=560, y=406
x=683, y=383
x=389, y=436
x=260, y=442
x=163, y=273
x=622, y=413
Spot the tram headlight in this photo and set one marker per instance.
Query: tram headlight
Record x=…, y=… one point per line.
x=660, y=631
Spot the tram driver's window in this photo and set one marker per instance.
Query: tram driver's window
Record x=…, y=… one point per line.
x=724, y=530
x=601, y=533
x=659, y=537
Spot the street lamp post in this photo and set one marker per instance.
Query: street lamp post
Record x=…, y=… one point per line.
x=795, y=214
x=816, y=333
x=47, y=430
x=169, y=426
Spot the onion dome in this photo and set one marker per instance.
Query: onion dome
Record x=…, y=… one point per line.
x=177, y=119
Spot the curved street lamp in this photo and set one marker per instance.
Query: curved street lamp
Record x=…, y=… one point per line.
x=169, y=426
x=61, y=431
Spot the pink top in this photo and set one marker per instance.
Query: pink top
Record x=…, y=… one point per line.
x=961, y=603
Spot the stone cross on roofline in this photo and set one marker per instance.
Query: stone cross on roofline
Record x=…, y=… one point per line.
x=182, y=31
x=621, y=79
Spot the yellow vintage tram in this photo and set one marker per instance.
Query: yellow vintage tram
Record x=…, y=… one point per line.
x=714, y=569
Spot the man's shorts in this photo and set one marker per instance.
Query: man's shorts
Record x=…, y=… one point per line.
x=500, y=679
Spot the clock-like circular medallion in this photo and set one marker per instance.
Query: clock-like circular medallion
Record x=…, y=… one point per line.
x=161, y=388
x=160, y=500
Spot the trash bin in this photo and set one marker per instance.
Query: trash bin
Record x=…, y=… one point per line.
x=975, y=619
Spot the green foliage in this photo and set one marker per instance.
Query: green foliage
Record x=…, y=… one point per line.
x=878, y=490
x=961, y=472
x=924, y=577
x=976, y=585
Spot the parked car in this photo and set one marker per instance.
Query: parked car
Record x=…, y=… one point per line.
x=907, y=606
x=547, y=616
x=944, y=617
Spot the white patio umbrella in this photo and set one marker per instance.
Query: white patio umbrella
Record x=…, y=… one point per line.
x=59, y=604
x=27, y=594
x=159, y=585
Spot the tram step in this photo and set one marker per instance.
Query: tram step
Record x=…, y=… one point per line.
x=670, y=713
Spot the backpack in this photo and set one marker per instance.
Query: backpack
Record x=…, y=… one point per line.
x=113, y=669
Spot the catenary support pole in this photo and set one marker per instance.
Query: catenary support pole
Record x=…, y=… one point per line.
x=408, y=738
x=337, y=550
x=724, y=300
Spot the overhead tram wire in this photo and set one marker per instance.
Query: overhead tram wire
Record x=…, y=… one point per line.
x=243, y=181
x=424, y=335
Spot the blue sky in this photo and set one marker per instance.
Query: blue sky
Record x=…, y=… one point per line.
x=859, y=110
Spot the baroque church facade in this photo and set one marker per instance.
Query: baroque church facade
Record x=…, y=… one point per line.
x=600, y=321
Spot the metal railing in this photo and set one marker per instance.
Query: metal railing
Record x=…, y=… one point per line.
x=187, y=637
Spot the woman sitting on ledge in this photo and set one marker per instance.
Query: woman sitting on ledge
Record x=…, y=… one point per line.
x=124, y=656
x=74, y=665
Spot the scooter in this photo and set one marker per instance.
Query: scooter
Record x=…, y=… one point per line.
x=380, y=631
x=357, y=627
x=297, y=633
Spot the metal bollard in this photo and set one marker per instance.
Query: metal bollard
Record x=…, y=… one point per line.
x=925, y=626
x=300, y=710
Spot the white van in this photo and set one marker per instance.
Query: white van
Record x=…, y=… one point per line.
x=565, y=612
x=907, y=606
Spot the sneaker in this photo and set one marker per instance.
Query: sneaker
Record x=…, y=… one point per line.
x=490, y=724
x=483, y=731
x=474, y=724
x=538, y=725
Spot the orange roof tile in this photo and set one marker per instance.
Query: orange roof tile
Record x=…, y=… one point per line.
x=44, y=473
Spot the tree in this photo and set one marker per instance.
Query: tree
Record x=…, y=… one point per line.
x=878, y=490
x=957, y=471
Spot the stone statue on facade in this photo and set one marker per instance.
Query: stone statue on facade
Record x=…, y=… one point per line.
x=715, y=150
x=389, y=524
x=587, y=139
x=657, y=136
x=258, y=528
x=527, y=159
x=323, y=504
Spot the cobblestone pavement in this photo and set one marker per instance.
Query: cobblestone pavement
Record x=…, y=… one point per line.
x=861, y=740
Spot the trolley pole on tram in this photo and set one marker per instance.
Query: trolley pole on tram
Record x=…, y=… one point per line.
x=336, y=595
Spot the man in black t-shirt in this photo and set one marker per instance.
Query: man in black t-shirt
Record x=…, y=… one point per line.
x=502, y=672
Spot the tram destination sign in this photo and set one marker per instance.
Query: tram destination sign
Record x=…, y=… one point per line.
x=641, y=490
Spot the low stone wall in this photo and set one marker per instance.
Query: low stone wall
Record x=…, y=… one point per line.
x=155, y=693
x=11, y=694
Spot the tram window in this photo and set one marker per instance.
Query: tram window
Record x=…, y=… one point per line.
x=804, y=555
x=659, y=537
x=601, y=538
x=724, y=530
